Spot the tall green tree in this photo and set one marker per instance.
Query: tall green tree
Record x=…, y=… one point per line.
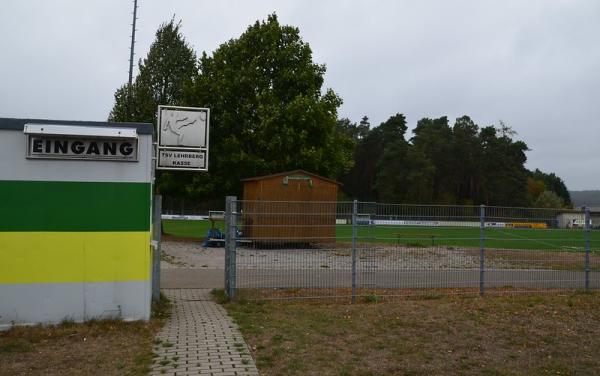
x=554, y=184
x=465, y=157
x=503, y=174
x=164, y=75
x=462, y=164
x=433, y=138
x=549, y=199
x=268, y=110
x=378, y=155
x=390, y=178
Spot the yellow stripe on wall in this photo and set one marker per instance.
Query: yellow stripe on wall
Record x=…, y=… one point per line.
x=34, y=257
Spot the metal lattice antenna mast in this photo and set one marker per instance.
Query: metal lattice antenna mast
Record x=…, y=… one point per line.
x=131, y=53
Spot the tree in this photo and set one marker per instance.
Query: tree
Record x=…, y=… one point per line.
x=165, y=74
x=268, y=112
x=359, y=182
x=390, y=176
x=535, y=188
x=466, y=156
x=380, y=151
x=433, y=138
x=554, y=184
x=363, y=127
x=353, y=130
x=550, y=200
x=503, y=175
x=420, y=175
x=463, y=164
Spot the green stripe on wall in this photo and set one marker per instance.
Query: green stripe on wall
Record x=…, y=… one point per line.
x=74, y=206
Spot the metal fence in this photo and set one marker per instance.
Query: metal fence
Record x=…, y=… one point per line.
x=184, y=206
x=364, y=250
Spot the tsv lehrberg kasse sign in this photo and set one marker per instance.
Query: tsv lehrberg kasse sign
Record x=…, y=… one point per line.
x=182, y=138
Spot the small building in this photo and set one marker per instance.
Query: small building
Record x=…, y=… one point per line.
x=595, y=217
x=570, y=219
x=75, y=221
x=289, y=207
x=576, y=218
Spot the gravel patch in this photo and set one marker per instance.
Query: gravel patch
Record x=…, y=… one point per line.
x=178, y=254
x=193, y=255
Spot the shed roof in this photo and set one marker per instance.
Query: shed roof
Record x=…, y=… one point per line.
x=19, y=124
x=287, y=173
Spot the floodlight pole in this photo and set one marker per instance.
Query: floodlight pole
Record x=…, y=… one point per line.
x=131, y=50
x=354, y=236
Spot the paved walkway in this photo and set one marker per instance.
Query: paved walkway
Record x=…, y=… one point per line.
x=200, y=339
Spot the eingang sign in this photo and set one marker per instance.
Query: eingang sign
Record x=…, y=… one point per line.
x=72, y=142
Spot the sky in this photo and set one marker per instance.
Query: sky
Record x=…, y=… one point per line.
x=535, y=65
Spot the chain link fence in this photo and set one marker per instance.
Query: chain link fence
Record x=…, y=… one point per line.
x=173, y=205
x=351, y=250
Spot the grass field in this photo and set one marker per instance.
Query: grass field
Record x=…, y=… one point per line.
x=546, y=239
x=188, y=229
x=441, y=335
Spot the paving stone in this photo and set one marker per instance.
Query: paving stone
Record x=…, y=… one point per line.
x=202, y=338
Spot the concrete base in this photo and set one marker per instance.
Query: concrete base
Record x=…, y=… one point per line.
x=51, y=303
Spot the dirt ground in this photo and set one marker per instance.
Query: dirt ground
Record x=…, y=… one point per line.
x=191, y=254
x=106, y=348
x=555, y=334
x=103, y=347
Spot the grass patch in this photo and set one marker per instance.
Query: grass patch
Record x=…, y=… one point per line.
x=372, y=298
x=188, y=229
x=96, y=347
x=15, y=346
x=568, y=240
x=161, y=309
x=528, y=335
x=219, y=296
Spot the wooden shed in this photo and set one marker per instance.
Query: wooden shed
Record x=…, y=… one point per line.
x=289, y=207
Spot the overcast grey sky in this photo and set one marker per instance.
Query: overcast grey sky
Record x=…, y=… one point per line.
x=533, y=64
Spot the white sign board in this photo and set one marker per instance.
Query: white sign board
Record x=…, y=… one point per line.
x=47, y=141
x=182, y=159
x=183, y=138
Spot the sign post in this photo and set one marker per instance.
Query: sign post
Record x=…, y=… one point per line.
x=182, y=146
x=182, y=138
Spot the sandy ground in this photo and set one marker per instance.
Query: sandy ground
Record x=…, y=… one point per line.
x=189, y=265
x=177, y=254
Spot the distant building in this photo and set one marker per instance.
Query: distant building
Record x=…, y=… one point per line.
x=595, y=216
x=576, y=219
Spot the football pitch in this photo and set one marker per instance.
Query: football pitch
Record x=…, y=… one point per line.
x=413, y=236
x=469, y=237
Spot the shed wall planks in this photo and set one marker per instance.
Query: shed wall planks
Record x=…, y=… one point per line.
x=308, y=201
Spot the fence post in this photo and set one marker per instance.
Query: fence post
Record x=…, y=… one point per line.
x=230, y=239
x=156, y=235
x=587, y=247
x=481, y=250
x=354, y=217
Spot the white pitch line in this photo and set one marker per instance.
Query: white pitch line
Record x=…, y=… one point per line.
x=538, y=241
